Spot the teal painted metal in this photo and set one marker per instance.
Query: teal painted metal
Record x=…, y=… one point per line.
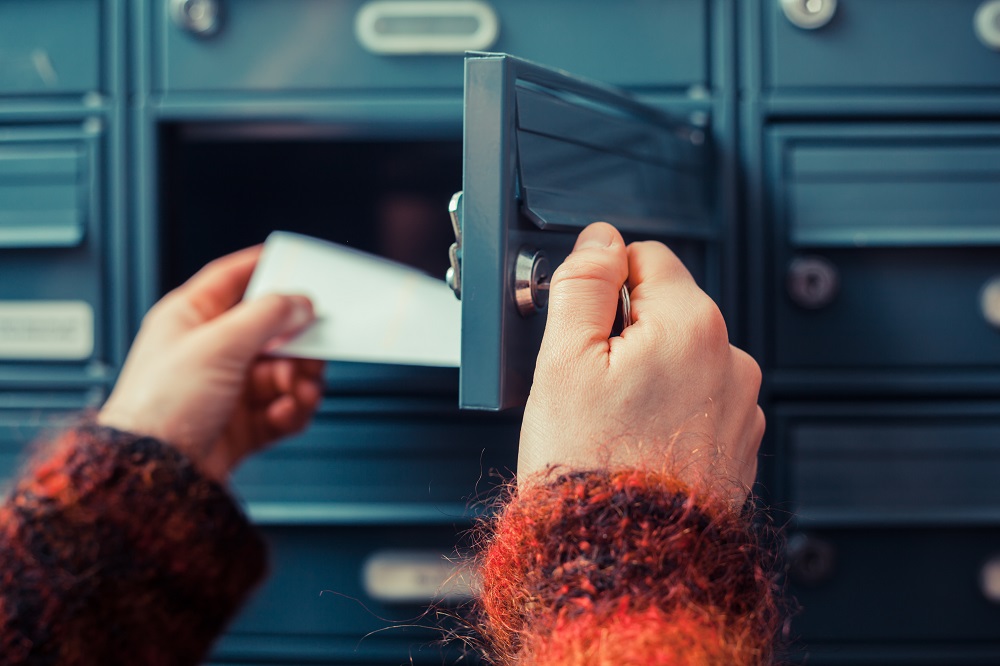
x=62, y=133
x=539, y=145
x=892, y=108
x=51, y=48
x=870, y=143
x=877, y=46
x=310, y=46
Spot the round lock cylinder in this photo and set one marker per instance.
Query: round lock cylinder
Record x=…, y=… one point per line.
x=989, y=579
x=809, y=14
x=201, y=18
x=987, y=24
x=813, y=282
x=989, y=302
x=811, y=560
x=531, y=281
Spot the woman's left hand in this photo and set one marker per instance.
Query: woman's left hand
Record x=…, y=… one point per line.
x=195, y=377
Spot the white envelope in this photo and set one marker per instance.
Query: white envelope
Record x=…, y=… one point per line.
x=368, y=309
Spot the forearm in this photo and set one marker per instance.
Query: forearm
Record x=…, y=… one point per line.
x=625, y=568
x=115, y=549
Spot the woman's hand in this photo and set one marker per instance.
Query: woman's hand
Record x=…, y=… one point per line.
x=670, y=394
x=194, y=377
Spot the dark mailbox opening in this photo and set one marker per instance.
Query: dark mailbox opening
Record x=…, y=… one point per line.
x=227, y=186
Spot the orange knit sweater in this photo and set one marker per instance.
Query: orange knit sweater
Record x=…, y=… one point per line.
x=625, y=568
x=115, y=550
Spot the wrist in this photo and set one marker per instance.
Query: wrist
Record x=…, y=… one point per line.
x=208, y=460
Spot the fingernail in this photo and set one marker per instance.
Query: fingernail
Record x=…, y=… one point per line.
x=302, y=311
x=595, y=237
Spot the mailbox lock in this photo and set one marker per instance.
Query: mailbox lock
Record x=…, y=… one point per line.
x=809, y=14
x=811, y=560
x=989, y=301
x=987, y=24
x=454, y=275
x=531, y=281
x=813, y=282
x=989, y=579
x=201, y=18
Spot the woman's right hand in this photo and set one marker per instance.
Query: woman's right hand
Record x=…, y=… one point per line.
x=669, y=394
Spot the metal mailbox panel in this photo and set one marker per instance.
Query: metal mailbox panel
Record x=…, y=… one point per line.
x=894, y=513
x=312, y=45
x=890, y=585
x=886, y=243
x=50, y=47
x=883, y=44
x=375, y=452
x=546, y=153
x=891, y=464
x=320, y=583
x=51, y=258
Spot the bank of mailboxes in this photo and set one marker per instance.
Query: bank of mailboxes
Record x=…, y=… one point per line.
x=828, y=170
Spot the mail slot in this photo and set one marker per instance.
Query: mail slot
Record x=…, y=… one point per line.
x=891, y=464
x=384, y=458
x=886, y=241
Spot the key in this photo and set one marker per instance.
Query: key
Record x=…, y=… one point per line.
x=623, y=318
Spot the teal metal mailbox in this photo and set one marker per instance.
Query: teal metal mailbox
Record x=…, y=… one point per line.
x=53, y=298
x=901, y=217
x=546, y=154
x=52, y=48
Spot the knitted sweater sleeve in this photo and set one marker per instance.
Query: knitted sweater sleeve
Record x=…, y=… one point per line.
x=616, y=569
x=114, y=549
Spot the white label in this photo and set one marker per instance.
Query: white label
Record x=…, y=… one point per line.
x=405, y=576
x=46, y=330
x=412, y=27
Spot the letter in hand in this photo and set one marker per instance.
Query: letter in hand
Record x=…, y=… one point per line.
x=195, y=377
x=669, y=394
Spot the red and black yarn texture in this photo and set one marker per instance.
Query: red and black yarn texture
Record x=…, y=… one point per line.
x=622, y=568
x=114, y=549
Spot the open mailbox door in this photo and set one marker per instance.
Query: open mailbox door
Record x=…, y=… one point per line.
x=546, y=154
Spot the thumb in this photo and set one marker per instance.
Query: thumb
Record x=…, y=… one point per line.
x=244, y=331
x=583, y=297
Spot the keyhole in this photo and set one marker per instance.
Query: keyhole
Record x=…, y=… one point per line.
x=813, y=282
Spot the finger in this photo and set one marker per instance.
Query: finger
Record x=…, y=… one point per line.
x=308, y=393
x=311, y=368
x=243, y=332
x=270, y=378
x=220, y=284
x=261, y=386
x=658, y=279
x=284, y=375
x=286, y=416
x=653, y=263
x=583, y=297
